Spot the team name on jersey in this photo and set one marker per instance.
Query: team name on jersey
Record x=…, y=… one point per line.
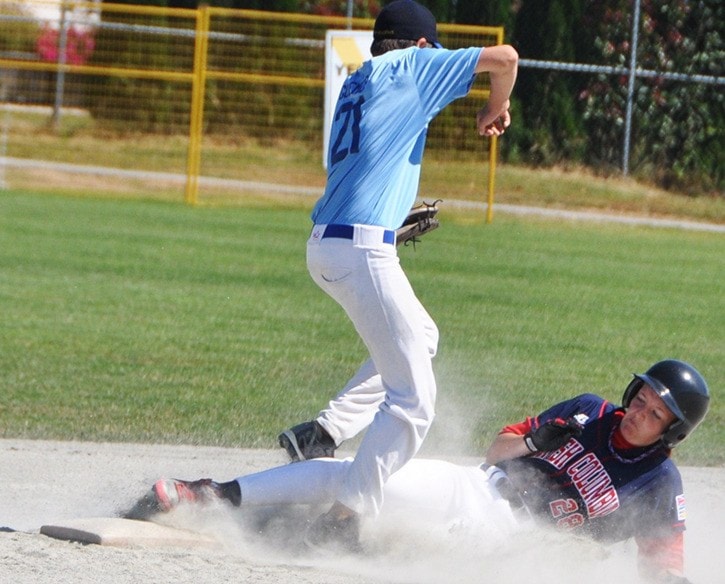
x=561, y=457
x=595, y=486
x=588, y=476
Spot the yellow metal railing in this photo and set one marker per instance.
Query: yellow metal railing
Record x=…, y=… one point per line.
x=197, y=105
x=247, y=72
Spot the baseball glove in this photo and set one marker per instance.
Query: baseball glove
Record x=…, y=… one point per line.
x=420, y=220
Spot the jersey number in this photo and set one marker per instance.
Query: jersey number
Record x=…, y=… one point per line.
x=564, y=511
x=352, y=112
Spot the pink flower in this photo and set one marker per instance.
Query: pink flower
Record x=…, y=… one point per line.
x=47, y=45
x=79, y=45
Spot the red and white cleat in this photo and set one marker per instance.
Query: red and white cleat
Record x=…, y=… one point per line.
x=170, y=493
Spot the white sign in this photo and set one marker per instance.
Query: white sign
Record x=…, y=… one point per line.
x=345, y=51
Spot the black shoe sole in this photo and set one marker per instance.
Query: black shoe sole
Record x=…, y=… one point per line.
x=145, y=508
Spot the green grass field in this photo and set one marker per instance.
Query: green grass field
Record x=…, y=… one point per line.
x=152, y=321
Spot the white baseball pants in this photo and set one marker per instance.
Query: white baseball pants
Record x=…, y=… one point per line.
x=396, y=389
x=429, y=494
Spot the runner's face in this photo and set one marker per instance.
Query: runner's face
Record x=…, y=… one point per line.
x=646, y=419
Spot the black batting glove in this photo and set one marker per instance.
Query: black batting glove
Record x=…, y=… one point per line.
x=552, y=434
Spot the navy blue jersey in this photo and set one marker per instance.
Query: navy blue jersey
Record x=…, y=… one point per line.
x=589, y=485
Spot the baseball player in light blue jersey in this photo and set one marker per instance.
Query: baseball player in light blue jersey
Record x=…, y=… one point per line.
x=376, y=148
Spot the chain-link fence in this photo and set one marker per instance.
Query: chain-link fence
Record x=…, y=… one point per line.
x=622, y=85
x=187, y=86
x=123, y=87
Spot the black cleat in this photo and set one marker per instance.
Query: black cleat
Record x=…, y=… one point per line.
x=329, y=533
x=144, y=509
x=307, y=440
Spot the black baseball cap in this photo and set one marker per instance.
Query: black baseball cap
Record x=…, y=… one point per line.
x=407, y=20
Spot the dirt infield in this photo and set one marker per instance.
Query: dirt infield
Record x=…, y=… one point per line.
x=44, y=482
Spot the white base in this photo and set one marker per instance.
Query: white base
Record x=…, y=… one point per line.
x=114, y=531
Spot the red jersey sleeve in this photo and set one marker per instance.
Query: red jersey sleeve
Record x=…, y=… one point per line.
x=519, y=429
x=661, y=555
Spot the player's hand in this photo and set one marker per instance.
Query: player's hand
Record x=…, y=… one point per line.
x=493, y=122
x=552, y=434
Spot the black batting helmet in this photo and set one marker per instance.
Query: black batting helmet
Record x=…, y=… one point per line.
x=684, y=392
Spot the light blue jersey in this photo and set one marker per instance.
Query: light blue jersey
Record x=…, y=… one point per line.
x=379, y=129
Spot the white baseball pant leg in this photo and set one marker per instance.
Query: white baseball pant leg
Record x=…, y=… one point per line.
x=352, y=410
x=433, y=492
x=364, y=276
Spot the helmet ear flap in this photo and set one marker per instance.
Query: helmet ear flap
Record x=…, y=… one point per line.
x=632, y=389
x=675, y=434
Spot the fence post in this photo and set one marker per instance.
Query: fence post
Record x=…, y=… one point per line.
x=198, y=90
x=630, y=89
x=492, y=156
x=349, y=14
x=4, y=137
x=62, y=60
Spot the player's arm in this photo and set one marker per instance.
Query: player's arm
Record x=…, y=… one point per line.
x=526, y=437
x=501, y=63
x=509, y=443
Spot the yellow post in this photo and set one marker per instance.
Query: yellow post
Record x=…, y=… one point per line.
x=493, y=151
x=491, y=176
x=198, y=87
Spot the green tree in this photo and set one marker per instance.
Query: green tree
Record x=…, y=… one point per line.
x=361, y=8
x=271, y=5
x=487, y=13
x=678, y=127
x=550, y=126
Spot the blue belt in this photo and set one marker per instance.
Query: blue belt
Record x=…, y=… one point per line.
x=348, y=231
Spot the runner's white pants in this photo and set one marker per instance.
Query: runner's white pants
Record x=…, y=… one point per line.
x=394, y=392
x=434, y=493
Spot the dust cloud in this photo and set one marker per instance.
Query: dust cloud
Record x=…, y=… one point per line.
x=45, y=482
